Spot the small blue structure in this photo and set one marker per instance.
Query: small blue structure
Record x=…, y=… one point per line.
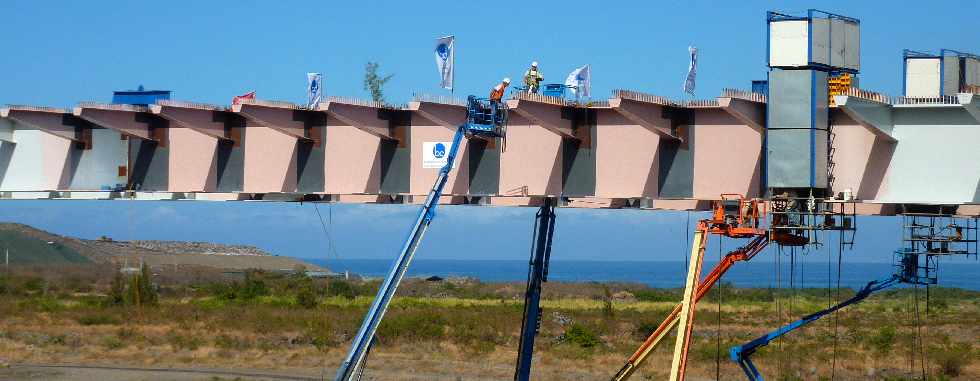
x=139, y=96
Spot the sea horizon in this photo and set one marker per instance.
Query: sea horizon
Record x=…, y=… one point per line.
x=658, y=274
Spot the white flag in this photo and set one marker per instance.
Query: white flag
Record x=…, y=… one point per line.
x=579, y=81
x=692, y=70
x=444, y=61
x=314, y=89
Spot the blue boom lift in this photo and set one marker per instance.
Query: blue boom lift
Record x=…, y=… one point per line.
x=544, y=230
x=909, y=270
x=485, y=118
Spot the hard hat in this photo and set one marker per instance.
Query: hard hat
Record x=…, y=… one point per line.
x=534, y=63
x=506, y=80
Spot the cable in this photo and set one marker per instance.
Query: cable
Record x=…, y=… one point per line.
x=840, y=256
x=326, y=233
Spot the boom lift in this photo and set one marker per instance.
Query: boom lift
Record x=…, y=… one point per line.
x=733, y=217
x=485, y=119
x=908, y=271
x=544, y=229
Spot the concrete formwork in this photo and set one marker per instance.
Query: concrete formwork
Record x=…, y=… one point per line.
x=206, y=147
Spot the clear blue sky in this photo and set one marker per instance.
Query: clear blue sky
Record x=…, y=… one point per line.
x=60, y=52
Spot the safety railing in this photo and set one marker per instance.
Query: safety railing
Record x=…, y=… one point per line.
x=940, y=100
x=441, y=99
x=867, y=95
x=742, y=94
x=532, y=97
x=271, y=103
x=194, y=105
x=35, y=108
x=699, y=103
x=642, y=97
x=362, y=102
x=113, y=106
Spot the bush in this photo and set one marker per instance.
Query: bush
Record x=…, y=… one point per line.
x=341, y=288
x=97, y=319
x=413, y=325
x=112, y=342
x=582, y=336
x=306, y=297
x=951, y=358
x=319, y=332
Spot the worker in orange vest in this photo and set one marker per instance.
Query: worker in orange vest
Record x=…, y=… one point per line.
x=497, y=92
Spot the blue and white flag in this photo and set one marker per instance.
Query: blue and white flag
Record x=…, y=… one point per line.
x=314, y=89
x=579, y=81
x=692, y=70
x=444, y=61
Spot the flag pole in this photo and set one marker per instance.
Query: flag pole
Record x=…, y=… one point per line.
x=452, y=89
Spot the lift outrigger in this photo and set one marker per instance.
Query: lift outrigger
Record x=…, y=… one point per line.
x=485, y=119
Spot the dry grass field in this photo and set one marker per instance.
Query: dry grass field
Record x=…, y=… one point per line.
x=467, y=330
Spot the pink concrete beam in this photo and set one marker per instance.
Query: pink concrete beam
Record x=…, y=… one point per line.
x=727, y=155
x=863, y=158
x=543, y=114
x=646, y=115
x=352, y=160
x=445, y=115
x=53, y=121
x=269, y=160
x=626, y=157
x=205, y=119
x=753, y=114
x=421, y=179
x=275, y=115
x=530, y=160
x=364, y=117
x=192, y=166
x=122, y=118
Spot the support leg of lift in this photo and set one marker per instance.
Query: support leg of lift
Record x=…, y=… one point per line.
x=544, y=230
x=686, y=322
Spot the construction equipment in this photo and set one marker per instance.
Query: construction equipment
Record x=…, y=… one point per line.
x=736, y=217
x=907, y=271
x=544, y=229
x=484, y=119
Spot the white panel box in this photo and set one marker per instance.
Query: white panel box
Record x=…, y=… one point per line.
x=922, y=77
x=788, y=43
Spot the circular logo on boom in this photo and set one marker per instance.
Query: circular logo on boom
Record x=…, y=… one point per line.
x=439, y=150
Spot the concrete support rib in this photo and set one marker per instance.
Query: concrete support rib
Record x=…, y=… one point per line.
x=875, y=116
x=130, y=120
x=647, y=115
x=284, y=117
x=364, y=117
x=971, y=102
x=753, y=114
x=207, y=119
x=547, y=115
x=450, y=116
x=57, y=122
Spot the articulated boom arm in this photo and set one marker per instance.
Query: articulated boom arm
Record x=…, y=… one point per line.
x=744, y=253
x=352, y=367
x=742, y=353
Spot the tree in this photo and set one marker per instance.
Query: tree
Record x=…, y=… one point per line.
x=375, y=82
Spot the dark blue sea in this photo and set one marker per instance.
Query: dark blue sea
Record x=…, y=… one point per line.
x=759, y=273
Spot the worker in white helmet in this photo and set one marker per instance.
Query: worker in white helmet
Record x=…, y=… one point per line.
x=533, y=78
x=497, y=92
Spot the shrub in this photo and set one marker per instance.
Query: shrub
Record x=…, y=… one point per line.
x=306, y=297
x=582, y=336
x=951, y=358
x=413, y=325
x=112, y=342
x=180, y=341
x=319, y=332
x=341, y=288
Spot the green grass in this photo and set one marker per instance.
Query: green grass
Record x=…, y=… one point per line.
x=25, y=250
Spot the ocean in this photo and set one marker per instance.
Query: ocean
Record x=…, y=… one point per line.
x=758, y=273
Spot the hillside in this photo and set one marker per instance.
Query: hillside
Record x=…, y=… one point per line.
x=31, y=246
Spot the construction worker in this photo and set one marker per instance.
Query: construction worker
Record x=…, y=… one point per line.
x=533, y=78
x=497, y=92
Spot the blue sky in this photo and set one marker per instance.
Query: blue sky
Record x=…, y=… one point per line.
x=60, y=52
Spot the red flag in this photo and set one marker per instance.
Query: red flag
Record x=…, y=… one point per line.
x=239, y=98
